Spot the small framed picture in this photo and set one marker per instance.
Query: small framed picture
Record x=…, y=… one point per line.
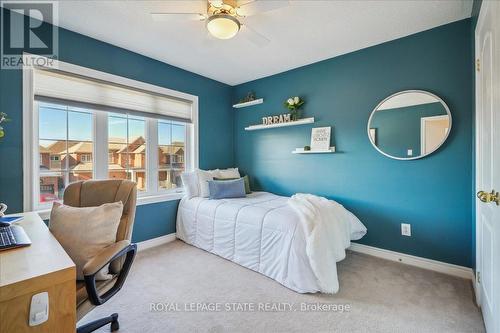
x=320, y=138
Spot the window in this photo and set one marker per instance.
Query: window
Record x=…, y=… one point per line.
x=66, y=149
x=171, y=151
x=64, y=133
x=127, y=146
x=86, y=158
x=93, y=125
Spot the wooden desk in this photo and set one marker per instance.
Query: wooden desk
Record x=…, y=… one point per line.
x=42, y=266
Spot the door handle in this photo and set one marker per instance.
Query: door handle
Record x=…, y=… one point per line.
x=489, y=197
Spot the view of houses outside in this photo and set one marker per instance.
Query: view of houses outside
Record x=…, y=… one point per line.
x=66, y=142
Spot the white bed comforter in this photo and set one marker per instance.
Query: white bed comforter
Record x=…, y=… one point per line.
x=295, y=241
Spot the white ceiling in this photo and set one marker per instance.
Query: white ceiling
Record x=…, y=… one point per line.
x=302, y=33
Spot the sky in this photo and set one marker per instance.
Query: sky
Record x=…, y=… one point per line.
x=57, y=124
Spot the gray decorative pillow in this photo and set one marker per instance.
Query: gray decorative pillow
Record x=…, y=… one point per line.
x=225, y=189
x=84, y=232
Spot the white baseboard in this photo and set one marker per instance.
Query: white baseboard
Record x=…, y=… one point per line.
x=147, y=244
x=477, y=291
x=433, y=265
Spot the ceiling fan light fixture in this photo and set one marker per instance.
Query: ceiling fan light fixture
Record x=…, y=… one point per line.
x=223, y=26
x=216, y=3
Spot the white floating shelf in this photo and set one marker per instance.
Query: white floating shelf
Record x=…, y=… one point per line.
x=290, y=123
x=302, y=151
x=245, y=104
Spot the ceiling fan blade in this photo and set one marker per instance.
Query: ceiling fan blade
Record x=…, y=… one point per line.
x=254, y=36
x=175, y=17
x=254, y=7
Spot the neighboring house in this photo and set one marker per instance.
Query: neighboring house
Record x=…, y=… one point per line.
x=128, y=160
x=172, y=155
x=79, y=161
x=44, y=157
x=171, y=165
x=51, y=178
x=125, y=161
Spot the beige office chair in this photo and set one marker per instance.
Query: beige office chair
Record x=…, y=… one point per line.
x=91, y=293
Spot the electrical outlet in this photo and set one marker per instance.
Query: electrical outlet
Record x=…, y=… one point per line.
x=406, y=229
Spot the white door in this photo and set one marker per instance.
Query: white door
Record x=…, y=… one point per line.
x=488, y=162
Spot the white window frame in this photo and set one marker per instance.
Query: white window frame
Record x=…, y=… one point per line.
x=30, y=132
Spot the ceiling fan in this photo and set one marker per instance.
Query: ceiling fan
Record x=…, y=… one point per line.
x=225, y=18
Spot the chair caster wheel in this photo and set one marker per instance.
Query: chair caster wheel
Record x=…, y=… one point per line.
x=115, y=325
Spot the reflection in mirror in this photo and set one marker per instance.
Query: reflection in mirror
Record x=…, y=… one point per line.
x=409, y=125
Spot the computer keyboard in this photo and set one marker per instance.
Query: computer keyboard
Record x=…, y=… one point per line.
x=7, y=236
x=13, y=236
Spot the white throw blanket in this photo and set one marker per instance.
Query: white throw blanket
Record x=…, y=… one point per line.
x=329, y=229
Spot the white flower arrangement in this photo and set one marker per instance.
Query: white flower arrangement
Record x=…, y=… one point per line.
x=293, y=104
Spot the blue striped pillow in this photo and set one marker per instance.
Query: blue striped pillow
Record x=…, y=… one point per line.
x=224, y=189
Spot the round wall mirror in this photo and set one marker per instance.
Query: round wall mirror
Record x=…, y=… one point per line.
x=409, y=124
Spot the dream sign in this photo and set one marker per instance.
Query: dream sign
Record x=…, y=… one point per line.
x=282, y=118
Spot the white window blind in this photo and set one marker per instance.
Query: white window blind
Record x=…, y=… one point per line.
x=51, y=85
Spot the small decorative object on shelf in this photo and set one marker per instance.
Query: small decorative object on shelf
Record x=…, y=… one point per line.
x=248, y=98
x=282, y=118
x=3, y=119
x=294, y=104
x=307, y=148
x=320, y=138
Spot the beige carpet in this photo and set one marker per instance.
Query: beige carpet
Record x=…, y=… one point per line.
x=383, y=296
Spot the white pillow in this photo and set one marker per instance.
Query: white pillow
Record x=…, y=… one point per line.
x=203, y=178
x=214, y=172
x=190, y=182
x=84, y=232
x=228, y=173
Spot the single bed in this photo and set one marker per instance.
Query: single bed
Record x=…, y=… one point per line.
x=261, y=232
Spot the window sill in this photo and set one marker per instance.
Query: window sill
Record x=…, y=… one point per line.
x=144, y=200
x=150, y=199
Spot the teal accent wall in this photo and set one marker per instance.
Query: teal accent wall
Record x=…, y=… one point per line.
x=433, y=194
x=399, y=129
x=215, y=119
